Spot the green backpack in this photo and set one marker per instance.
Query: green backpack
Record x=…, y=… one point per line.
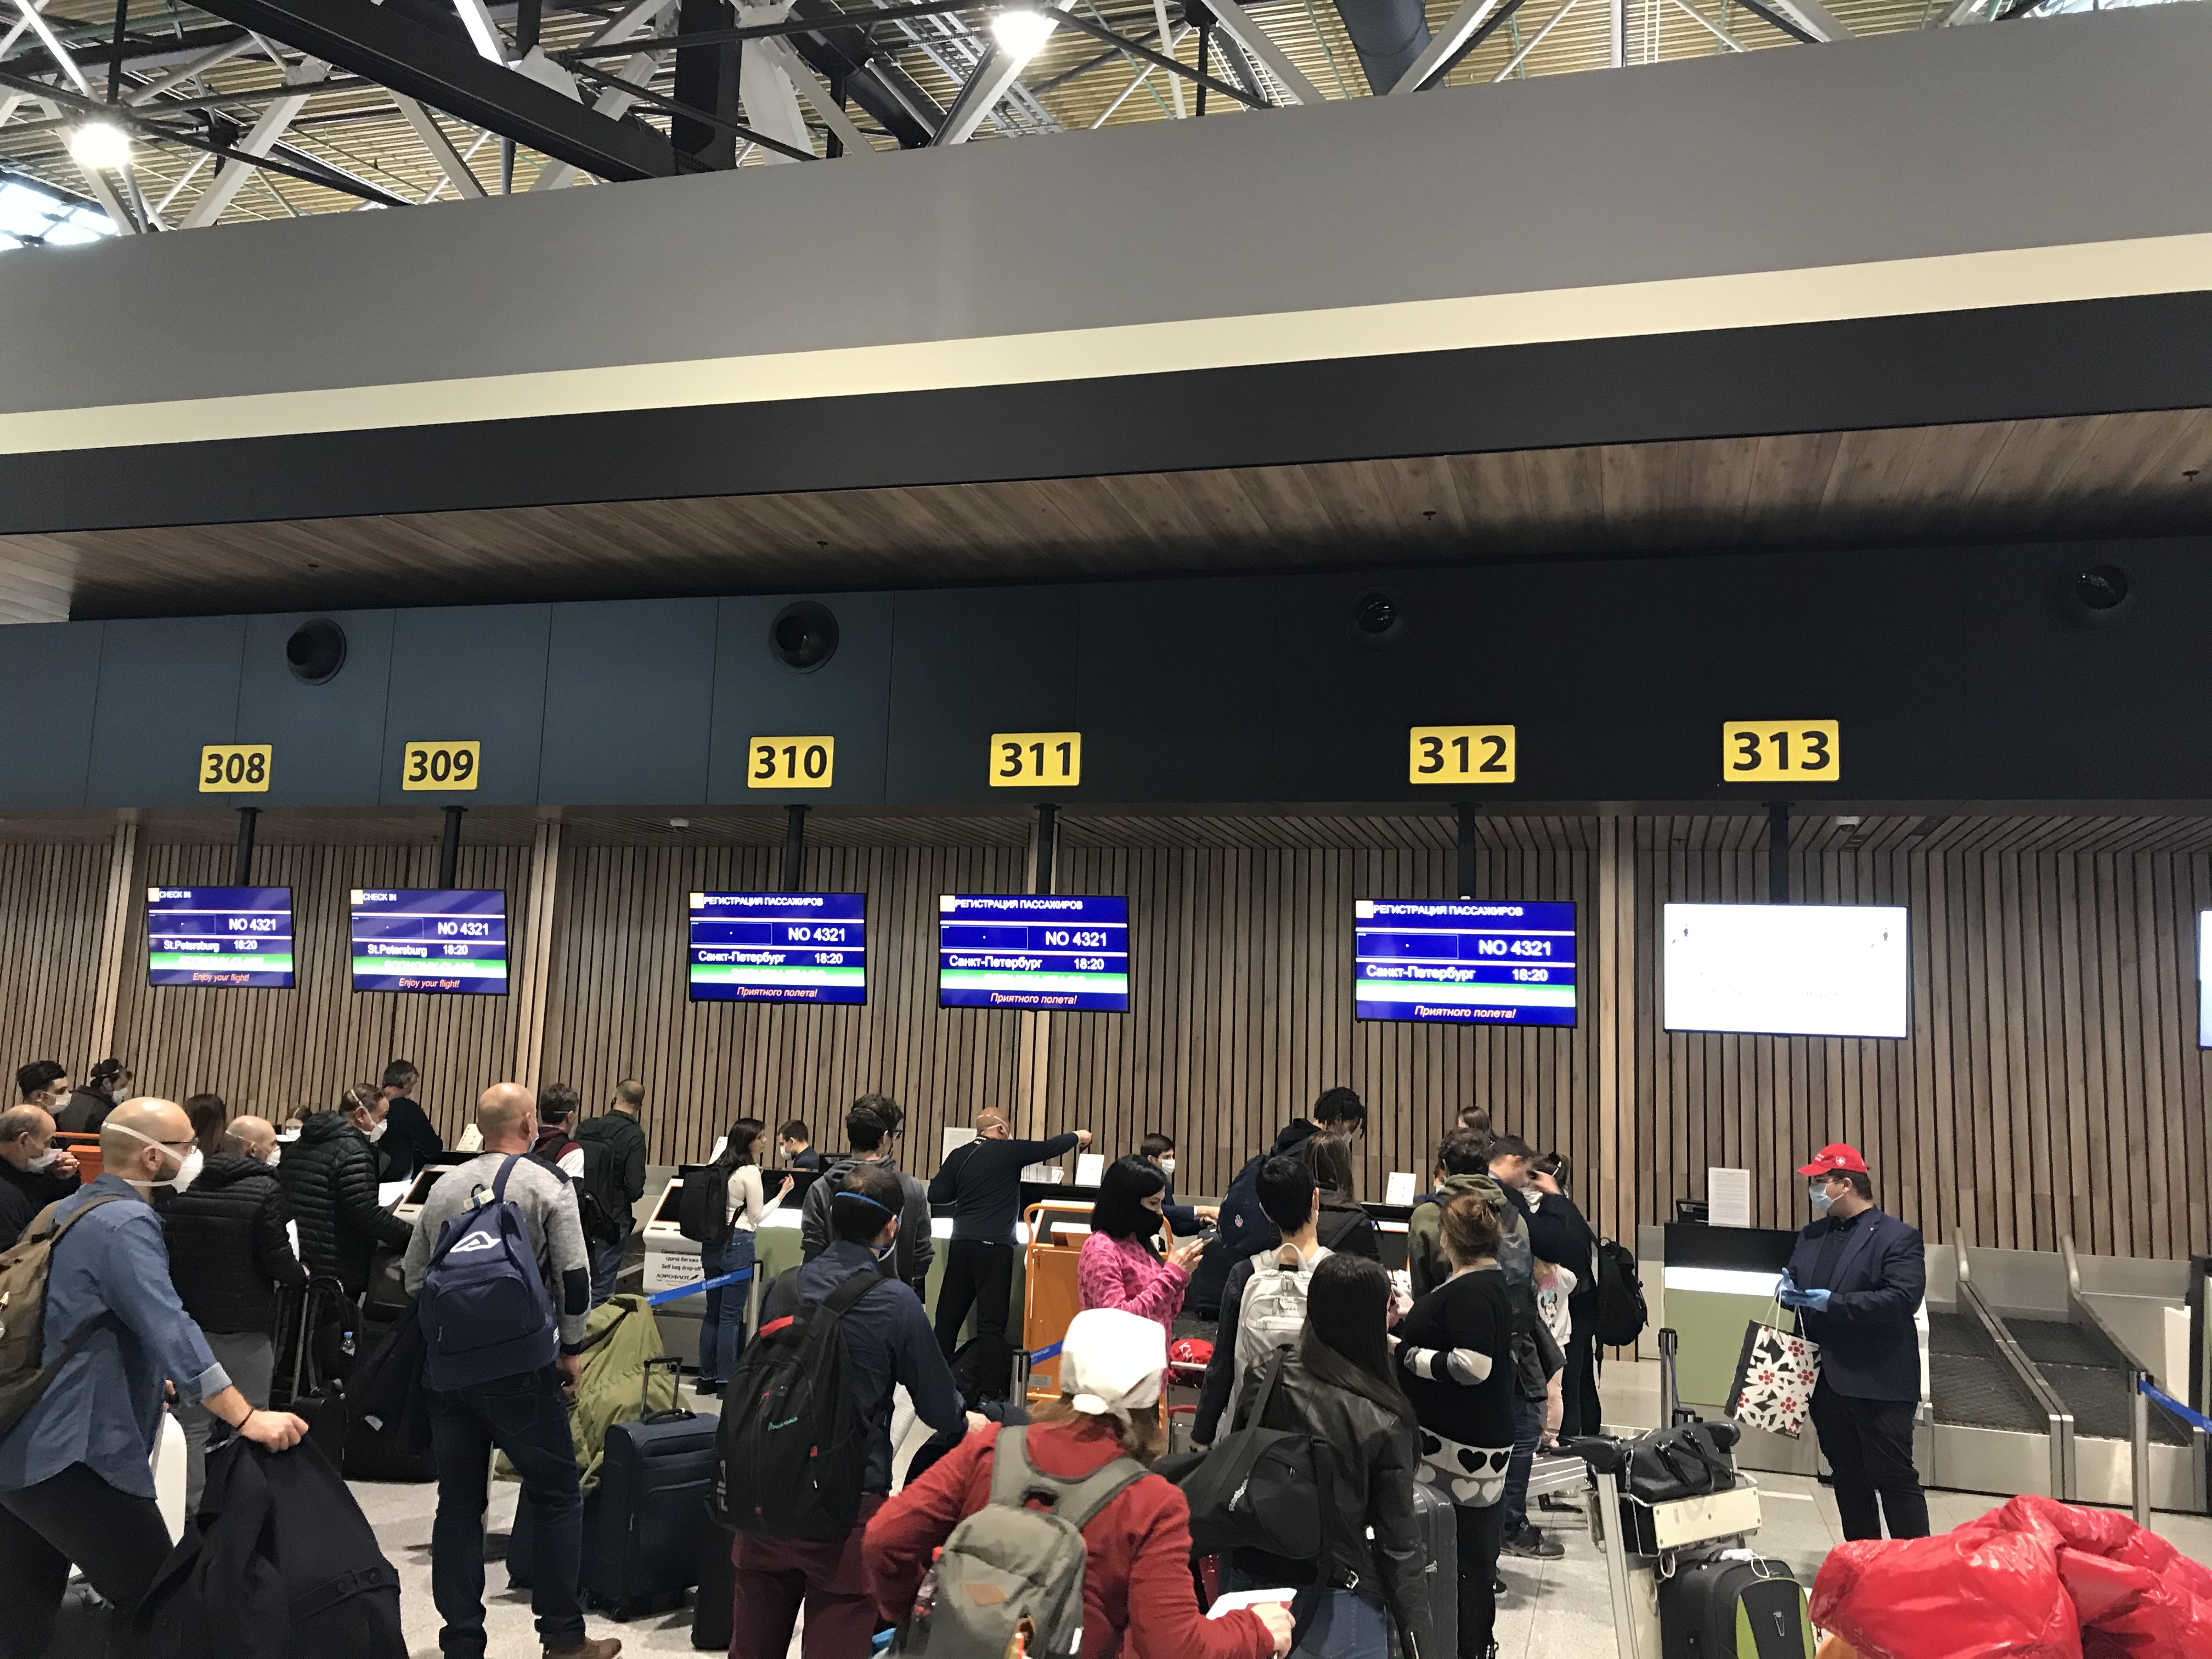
x=22, y=1314
x=1008, y=1568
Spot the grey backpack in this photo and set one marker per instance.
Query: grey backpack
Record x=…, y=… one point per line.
x=1273, y=1309
x=1009, y=1569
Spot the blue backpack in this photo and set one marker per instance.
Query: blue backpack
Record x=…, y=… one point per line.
x=483, y=1310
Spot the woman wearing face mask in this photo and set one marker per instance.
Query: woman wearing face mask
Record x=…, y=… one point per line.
x=75, y=1480
x=1184, y=1220
x=330, y=1181
x=1120, y=1266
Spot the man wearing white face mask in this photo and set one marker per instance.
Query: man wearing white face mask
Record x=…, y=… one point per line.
x=33, y=1171
x=330, y=1179
x=75, y=1480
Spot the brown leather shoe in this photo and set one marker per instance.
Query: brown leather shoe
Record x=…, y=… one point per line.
x=592, y=1647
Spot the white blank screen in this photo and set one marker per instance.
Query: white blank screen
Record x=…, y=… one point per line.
x=1787, y=970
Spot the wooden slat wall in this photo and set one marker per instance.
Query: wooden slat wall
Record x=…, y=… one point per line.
x=617, y=1007
x=2051, y=1085
x=269, y=1051
x=1241, y=987
x=53, y=898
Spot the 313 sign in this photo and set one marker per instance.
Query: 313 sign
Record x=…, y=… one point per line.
x=452, y=765
x=1020, y=759
x=235, y=768
x=1768, y=752
x=1460, y=754
x=790, y=762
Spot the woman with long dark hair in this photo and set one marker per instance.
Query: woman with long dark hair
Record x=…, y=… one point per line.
x=1120, y=1267
x=1340, y=1386
x=722, y=1332
x=1455, y=1352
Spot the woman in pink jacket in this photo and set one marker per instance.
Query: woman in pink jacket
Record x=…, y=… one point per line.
x=1121, y=1265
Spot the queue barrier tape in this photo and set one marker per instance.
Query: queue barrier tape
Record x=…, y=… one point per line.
x=2194, y=1419
x=1043, y=1354
x=700, y=1289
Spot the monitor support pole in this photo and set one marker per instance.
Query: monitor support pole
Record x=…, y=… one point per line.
x=1466, y=812
x=1041, y=867
x=241, y=873
x=794, y=846
x=449, y=850
x=1777, y=851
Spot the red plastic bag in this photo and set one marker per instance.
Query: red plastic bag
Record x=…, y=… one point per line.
x=1984, y=1591
x=2034, y=1579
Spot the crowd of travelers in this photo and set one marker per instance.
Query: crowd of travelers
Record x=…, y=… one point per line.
x=162, y=1285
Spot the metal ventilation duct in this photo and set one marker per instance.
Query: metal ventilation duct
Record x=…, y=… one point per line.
x=1387, y=35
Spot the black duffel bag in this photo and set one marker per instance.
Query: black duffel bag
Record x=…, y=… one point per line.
x=1687, y=1462
x=1259, y=1488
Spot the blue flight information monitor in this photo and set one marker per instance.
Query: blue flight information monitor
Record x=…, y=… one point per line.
x=1469, y=961
x=219, y=936
x=439, y=939
x=1035, y=951
x=779, y=947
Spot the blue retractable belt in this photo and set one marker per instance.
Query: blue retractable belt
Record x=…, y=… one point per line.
x=700, y=1289
x=2194, y=1419
x=1043, y=1354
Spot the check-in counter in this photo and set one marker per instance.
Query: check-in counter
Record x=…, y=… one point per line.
x=1717, y=1281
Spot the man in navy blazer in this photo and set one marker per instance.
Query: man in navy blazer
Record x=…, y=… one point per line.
x=1857, y=1277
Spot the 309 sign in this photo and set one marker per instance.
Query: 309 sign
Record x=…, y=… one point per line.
x=234, y=769
x=1053, y=759
x=1459, y=754
x=440, y=765
x=790, y=762
x=1765, y=751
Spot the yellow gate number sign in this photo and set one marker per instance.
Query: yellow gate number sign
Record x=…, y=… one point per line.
x=1767, y=751
x=440, y=765
x=234, y=769
x=792, y=764
x=1460, y=754
x=1026, y=759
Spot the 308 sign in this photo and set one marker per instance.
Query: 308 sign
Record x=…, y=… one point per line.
x=234, y=769
x=1765, y=752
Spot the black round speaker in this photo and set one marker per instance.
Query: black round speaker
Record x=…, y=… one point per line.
x=316, y=651
x=1378, y=617
x=2095, y=595
x=804, y=635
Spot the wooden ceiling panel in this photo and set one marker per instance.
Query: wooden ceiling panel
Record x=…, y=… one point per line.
x=2120, y=475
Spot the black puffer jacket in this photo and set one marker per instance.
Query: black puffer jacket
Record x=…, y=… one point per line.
x=228, y=1253
x=329, y=1177
x=1372, y=1457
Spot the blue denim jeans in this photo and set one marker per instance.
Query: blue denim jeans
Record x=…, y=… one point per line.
x=722, y=1332
x=1528, y=1430
x=1342, y=1624
x=606, y=1267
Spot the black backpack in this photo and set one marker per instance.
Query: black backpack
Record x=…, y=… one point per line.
x=1621, y=1315
x=600, y=1207
x=792, y=1446
x=703, y=1205
x=1260, y=1488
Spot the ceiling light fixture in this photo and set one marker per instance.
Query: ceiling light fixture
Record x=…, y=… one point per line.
x=100, y=146
x=1022, y=34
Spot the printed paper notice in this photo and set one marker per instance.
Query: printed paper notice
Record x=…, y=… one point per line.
x=1727, y=1197
x=1401, y=1188
x=955, y=1138
x=1090, y=1169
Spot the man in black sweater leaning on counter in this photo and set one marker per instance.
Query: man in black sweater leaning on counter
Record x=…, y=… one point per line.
x=981, y=1180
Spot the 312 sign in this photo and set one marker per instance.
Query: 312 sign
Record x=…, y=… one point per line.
x=1028, y=759
x=1459, y=754
x=1772, y=751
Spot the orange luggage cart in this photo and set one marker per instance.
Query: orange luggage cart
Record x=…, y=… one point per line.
x=87, y=1148
x=1050, y=1299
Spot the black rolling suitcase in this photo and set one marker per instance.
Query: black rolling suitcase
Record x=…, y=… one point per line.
x=1439, y=1520
x=641, y=1544
x=388, y=1422
x=713, y=1612
x=1734, y=1610
x=321, y=1323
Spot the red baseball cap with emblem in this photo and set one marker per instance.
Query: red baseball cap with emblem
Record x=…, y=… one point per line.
x=1833, y=1159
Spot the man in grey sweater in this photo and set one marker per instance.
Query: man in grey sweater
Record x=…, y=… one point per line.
x=526, y=1415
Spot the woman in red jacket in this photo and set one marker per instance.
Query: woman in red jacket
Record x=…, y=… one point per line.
x=1137, y=1591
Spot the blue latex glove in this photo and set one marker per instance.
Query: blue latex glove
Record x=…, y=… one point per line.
x=1817, y=1301
x=1787, y=1293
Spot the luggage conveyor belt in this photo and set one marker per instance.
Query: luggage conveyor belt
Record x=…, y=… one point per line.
x=1997, y=1426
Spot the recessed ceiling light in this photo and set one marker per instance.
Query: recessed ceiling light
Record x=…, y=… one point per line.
x=101, y=146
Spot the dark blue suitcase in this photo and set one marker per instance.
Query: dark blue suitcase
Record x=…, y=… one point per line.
x=641, y=1539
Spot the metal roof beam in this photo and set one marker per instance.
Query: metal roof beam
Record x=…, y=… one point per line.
x=375, y=42
x=1237, y=24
